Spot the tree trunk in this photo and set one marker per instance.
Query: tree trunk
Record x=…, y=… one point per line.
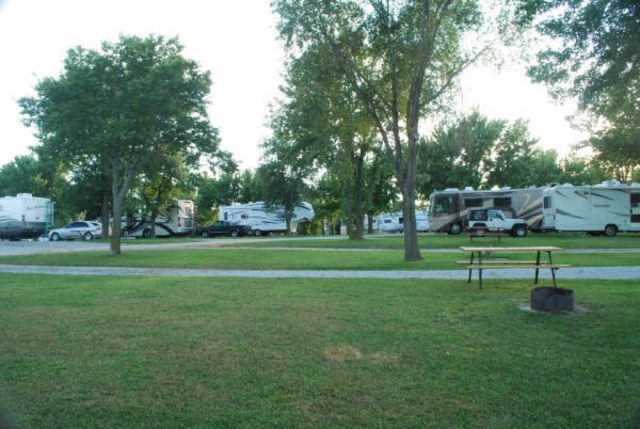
x=358, y=196
x=154, y=217
x=411, y=248
x=116, y=225
x=370, y=225
x=104, y=214
x=119, y=194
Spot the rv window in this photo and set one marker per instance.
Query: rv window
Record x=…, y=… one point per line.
x=387, y=220
x=473, y=202
x=445, y=204
x=547, y=202
x=400, y=221
x=502, y=202
x=225, y=216
x=635, y=200
x=244, y=216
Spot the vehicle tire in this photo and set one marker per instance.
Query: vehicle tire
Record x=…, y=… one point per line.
x=87, y=236
x=455, y=229
x=520, y=231
x=146, y=233
x=257, y=233
x=610, y=230
x=55, y=237
x=235, y=234
x=205, y=234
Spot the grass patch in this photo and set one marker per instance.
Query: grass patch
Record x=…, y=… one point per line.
x=444, y=241
x=139, y=352
x=270, y=259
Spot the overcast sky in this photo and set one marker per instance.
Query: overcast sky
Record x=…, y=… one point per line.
x=236, y=41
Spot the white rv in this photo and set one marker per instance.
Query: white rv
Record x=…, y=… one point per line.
x=602, y=209
x=265, y=221
x=25, y=216
x=394, y=222
x=177, y=219
x=449, y=208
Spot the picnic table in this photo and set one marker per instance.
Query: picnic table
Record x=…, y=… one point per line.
x=476, y=261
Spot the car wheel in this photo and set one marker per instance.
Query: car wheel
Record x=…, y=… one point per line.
x=610, y=230
x=257, y=233
x=454, y=229
x=520, y=231
x=205, y=234
x=55, y=237
x=234, y=234
x=87, y=236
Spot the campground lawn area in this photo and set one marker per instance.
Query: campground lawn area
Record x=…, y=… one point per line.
x=288, y=259
x=444, y=241
x=175, y=352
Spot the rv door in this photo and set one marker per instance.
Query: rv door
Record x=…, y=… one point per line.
x=635, y=210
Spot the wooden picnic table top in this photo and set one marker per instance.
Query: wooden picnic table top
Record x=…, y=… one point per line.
x=472, y=249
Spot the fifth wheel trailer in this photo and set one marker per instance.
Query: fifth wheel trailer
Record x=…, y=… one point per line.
x=450, y=207
x=176, y=220
x=601, y=209
x=25, y=216
x=265, y=220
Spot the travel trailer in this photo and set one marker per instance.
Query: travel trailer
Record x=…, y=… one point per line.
x=262, y=220
x=393, y=222
x=450, y=207
x=25, y=216
x=601, y=209
x=177, y=219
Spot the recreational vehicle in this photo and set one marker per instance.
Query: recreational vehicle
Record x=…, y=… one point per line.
x=24, y=216
x=449, y=208
x=394, y=222
x=601, y=209
x=263, y=220
x=177, y=219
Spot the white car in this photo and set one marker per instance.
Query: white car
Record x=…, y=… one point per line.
x=81, y=229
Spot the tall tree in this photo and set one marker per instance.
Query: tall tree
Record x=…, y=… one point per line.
x=513, y=158
x=595, y=58
x=398, y=57
x=123, y=107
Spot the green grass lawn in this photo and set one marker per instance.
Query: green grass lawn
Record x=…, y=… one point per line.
x=443, y=241
x=270, y=259
x=149, y=352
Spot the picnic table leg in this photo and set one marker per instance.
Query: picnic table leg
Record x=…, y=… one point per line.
x=480, y=269
x=553, y=276
x=471, y=263
x=537, y=267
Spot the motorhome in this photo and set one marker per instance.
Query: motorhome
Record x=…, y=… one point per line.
x=394, y=222
x=601, y=209
x=25, y=216
x=263, y=219
x=449, y=208
x=177, y=219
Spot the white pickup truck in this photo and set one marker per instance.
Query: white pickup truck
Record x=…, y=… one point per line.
x=494, y=220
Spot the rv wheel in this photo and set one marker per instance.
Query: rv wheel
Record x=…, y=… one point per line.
x=146, y=233
x=454, y=229
x=234, y=234
x=55, y=237
x=610, y=230
x=88, y=236
x=205, y=234
x=257, y=233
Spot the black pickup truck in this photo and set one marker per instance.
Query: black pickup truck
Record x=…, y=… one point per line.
x=222, y=227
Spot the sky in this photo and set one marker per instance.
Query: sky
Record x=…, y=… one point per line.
x=234, y=39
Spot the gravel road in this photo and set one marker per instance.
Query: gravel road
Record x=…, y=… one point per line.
x=591, y=273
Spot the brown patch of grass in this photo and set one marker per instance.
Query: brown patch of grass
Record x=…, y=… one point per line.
x=342, y=354
x=384, y=357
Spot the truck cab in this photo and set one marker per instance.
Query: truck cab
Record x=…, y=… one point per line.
x=494, y=220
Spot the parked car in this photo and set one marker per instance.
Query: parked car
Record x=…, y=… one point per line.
x=495, y=221
x=81, y=229
x=223, y=227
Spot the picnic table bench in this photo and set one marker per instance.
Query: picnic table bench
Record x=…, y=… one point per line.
x=476, y=262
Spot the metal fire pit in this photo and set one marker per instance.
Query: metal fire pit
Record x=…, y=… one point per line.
x=552, y=299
